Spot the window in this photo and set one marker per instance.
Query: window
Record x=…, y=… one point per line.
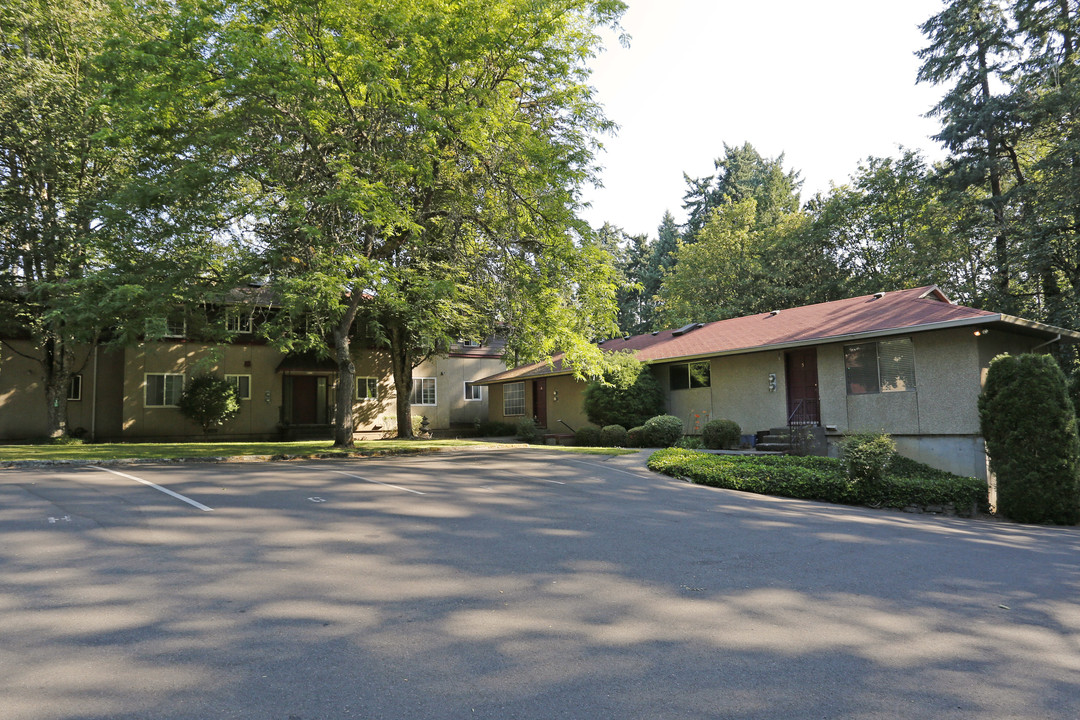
x=885, y=366
x=691, y=375
x=242, y=383
x=237, y=323
x=75, y=388
x=159, y=327
x=163, y=389
x=367, y=388
x=423, y=391
x=468, y=343
x=474, y=392
x=514, y=398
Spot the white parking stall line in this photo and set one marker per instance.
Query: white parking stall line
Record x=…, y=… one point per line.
x=360, y=477
x=165, y=490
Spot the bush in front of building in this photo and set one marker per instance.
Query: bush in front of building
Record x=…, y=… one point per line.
x=526, y=430
x=867, y=457
x=1030, y=428
x=613, y=436
x=662, y=431
x=587, y=437
x=209, y=401
x=721, y=434
x=635, y=437
x=628, y=395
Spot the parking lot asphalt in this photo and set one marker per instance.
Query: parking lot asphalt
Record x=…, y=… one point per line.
x=513, y=584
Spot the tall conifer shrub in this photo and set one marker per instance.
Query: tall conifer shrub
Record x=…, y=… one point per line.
x=1030, y=428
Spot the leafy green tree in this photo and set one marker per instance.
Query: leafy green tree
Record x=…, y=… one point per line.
x=973, y=49
x=209, y=401
x=628, y=394
x=101, y=224
x=742, y=174
x=661, y=261
x=417, y=172
x=736, y=267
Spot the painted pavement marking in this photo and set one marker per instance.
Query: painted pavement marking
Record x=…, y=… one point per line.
x=167, y=491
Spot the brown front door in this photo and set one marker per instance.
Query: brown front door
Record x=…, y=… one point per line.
x=540, y=402
x=305, y=400
x=804, y=406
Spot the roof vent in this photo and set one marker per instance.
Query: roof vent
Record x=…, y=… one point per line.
x=879, y=295
x=687, y=328
x=655, y=333
x=774, y=312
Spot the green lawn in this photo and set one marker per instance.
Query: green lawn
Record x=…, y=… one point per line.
x=172, y=451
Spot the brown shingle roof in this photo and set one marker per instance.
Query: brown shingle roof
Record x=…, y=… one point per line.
x=921, y=308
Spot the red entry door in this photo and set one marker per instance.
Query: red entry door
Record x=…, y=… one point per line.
x=305, y=400
x=803, y=402
x=540, y=402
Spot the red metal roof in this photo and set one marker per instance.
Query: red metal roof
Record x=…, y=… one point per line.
x=915, y=309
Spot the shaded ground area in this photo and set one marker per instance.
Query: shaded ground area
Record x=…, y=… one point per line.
x=514, y=584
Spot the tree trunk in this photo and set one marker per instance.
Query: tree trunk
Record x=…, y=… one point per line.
x=344, y=420
x=401, y=361
x=56, y=362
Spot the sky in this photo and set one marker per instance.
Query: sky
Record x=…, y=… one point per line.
x=825, y=82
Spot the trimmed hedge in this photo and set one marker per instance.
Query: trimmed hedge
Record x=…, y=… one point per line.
x=906, y=483
x=721, y=434
x=662, y=431
x=613, y=436
x=587, y=437
x=635, y=437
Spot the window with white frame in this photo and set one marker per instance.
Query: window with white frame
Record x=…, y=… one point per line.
x=465, y=342
x=473, y=392
x=75, y=388
x=880, y=367
x=514, y=398
x=242, y=383
x=238, y=323
x=423, y=392
x=163, y=389
x=367, y=388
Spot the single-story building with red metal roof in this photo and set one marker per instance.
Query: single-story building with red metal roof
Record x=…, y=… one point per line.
x=910, y=363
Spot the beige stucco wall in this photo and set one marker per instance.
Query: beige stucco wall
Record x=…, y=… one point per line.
x=450, y=374
x=22, y=392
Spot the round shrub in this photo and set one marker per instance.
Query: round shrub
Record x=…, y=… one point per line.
x=1030, y=429
x=613, y=436
x=628, y=395
x=662, y=431
x=635, y=437
x=721, y=434
x=867, y=457
x=587, y=437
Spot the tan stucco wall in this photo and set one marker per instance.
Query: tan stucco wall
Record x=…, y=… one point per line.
x=565, y=402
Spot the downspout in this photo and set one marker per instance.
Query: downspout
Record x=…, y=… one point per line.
x=93, y=398
x=1048, y=342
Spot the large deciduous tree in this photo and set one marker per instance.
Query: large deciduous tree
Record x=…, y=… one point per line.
x=418, y=166
x=100, y=221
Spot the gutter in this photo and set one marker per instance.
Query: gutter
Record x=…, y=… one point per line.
x=1048, y=342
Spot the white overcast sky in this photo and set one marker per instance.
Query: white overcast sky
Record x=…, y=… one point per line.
x=826, y=82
